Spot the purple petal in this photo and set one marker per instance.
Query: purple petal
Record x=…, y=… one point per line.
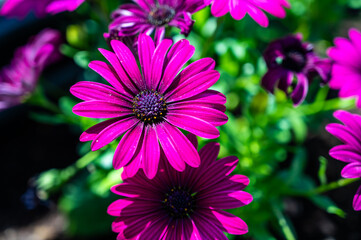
x=193, y=139
x=145, y=51
x=301, y=89
x=108, y=134
x=345, y=153
x=124, y=78
x=174, y=66
x=213, y=116
x=228, y=222
x=101, y=109
x=108, y=73
x=357, y=200
x=151, y=152
x=352, y=170
x=127, y=147
x=93, y=131
x=96, y=91
x=225, y=199
x=157, y=64
x=128, y=62
x=177, y=147
x=209, y=153
x=195, y=85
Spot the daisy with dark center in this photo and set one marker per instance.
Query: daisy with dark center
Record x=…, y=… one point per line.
x=291, y=65
x=350, y=151
x=146, y=16
x=149, y=107
x=182, y=205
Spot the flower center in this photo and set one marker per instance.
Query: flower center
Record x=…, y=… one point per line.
x=294, y=60
x=149, y=106
x=179, y=202
x=161, y=15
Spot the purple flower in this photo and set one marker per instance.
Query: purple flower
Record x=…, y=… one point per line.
x=255, y=8
x=293, y=63
x=20, y=8
x=350, y=151
x=182, y=205
x=148, y=15
x=149, y=107
x=346, y=70
x=19, y=79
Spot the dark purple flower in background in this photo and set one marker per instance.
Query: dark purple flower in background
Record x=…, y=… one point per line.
x=20, y=8
x=254, y=8
x=149, y=106
x=18, y=79
x=147, y=16
x=291, y=65
x=182, y=205
x=350, y=152
x=346, y=70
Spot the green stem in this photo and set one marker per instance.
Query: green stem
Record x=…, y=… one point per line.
x=282, y=221
x=324, y=188
x=332, y=185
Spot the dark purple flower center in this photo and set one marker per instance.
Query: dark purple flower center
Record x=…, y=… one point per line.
x=149, y=106
x=294, y=60
x=161, y=15
x=179, y=202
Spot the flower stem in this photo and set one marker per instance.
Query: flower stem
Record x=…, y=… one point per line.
x=332, y=185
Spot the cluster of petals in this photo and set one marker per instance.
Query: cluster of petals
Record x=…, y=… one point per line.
x=149, y=106
x=148, y=16
x=19, y=78
x=254, y=8
x=350, y=151
x=20, y=8
x=182, y=205
x=293, y=64
x=346, y=70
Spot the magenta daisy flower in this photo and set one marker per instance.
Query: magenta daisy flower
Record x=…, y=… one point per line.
x=147, y=16
x=292, y=62
x=350, y=151
x=149, y=107
x=182, y=205
x=346, y=70
x=20, y=8
x=254, y=8
x=18, y=79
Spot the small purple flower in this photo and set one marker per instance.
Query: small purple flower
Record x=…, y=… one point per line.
x=255, y=8
x=346, y=70
x=19, y=79
x=182, y=205
x=20, y=8
x=293, y=63
x=149, y=107
x=147, y=16
x=350, y=151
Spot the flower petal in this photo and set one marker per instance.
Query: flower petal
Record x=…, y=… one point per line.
x=177, y=147
x=108, y=134
x=101, y=109
x=151, y=152
x=127, y=146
